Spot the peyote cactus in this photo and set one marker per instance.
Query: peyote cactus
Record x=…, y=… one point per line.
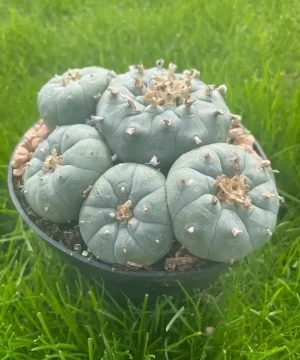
x=223, y=202
x=62, y=167
x=125, y=219
x=155, y=115
x=71, y=98
x=219, y=200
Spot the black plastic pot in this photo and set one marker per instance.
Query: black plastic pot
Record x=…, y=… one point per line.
x=133, y=283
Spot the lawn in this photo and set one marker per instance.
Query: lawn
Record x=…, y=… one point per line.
x=48, y=310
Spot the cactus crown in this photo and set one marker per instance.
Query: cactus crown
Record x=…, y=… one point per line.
x=71, y=75
x=233, y=190
x=166, y=89
x=124, y=212
x=52, y=161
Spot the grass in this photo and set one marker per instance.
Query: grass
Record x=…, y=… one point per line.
x=47, y=309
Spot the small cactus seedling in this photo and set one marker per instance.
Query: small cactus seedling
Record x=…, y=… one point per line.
x=223, y=202
x=62, y=168
x=159, y=113
x=125, y=219
x=71, y=98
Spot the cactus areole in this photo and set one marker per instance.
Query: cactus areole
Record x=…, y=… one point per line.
x=159, y=114
x=125, y=219
x=71, y=98
x=62, y=167
x=223, y=202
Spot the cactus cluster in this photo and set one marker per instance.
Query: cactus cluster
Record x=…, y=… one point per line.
x=223, y=202
x=71, y=98
x=156, y=115
x=62, y=167
x=125, y=219
x=145, y=160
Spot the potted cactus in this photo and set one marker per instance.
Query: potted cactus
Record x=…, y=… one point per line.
x=143, y=179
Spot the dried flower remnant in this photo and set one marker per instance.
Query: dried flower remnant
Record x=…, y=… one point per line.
x=52, y=161
x=166, y=89
x=124, y=212
x=233, y=190
x=71, y=75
